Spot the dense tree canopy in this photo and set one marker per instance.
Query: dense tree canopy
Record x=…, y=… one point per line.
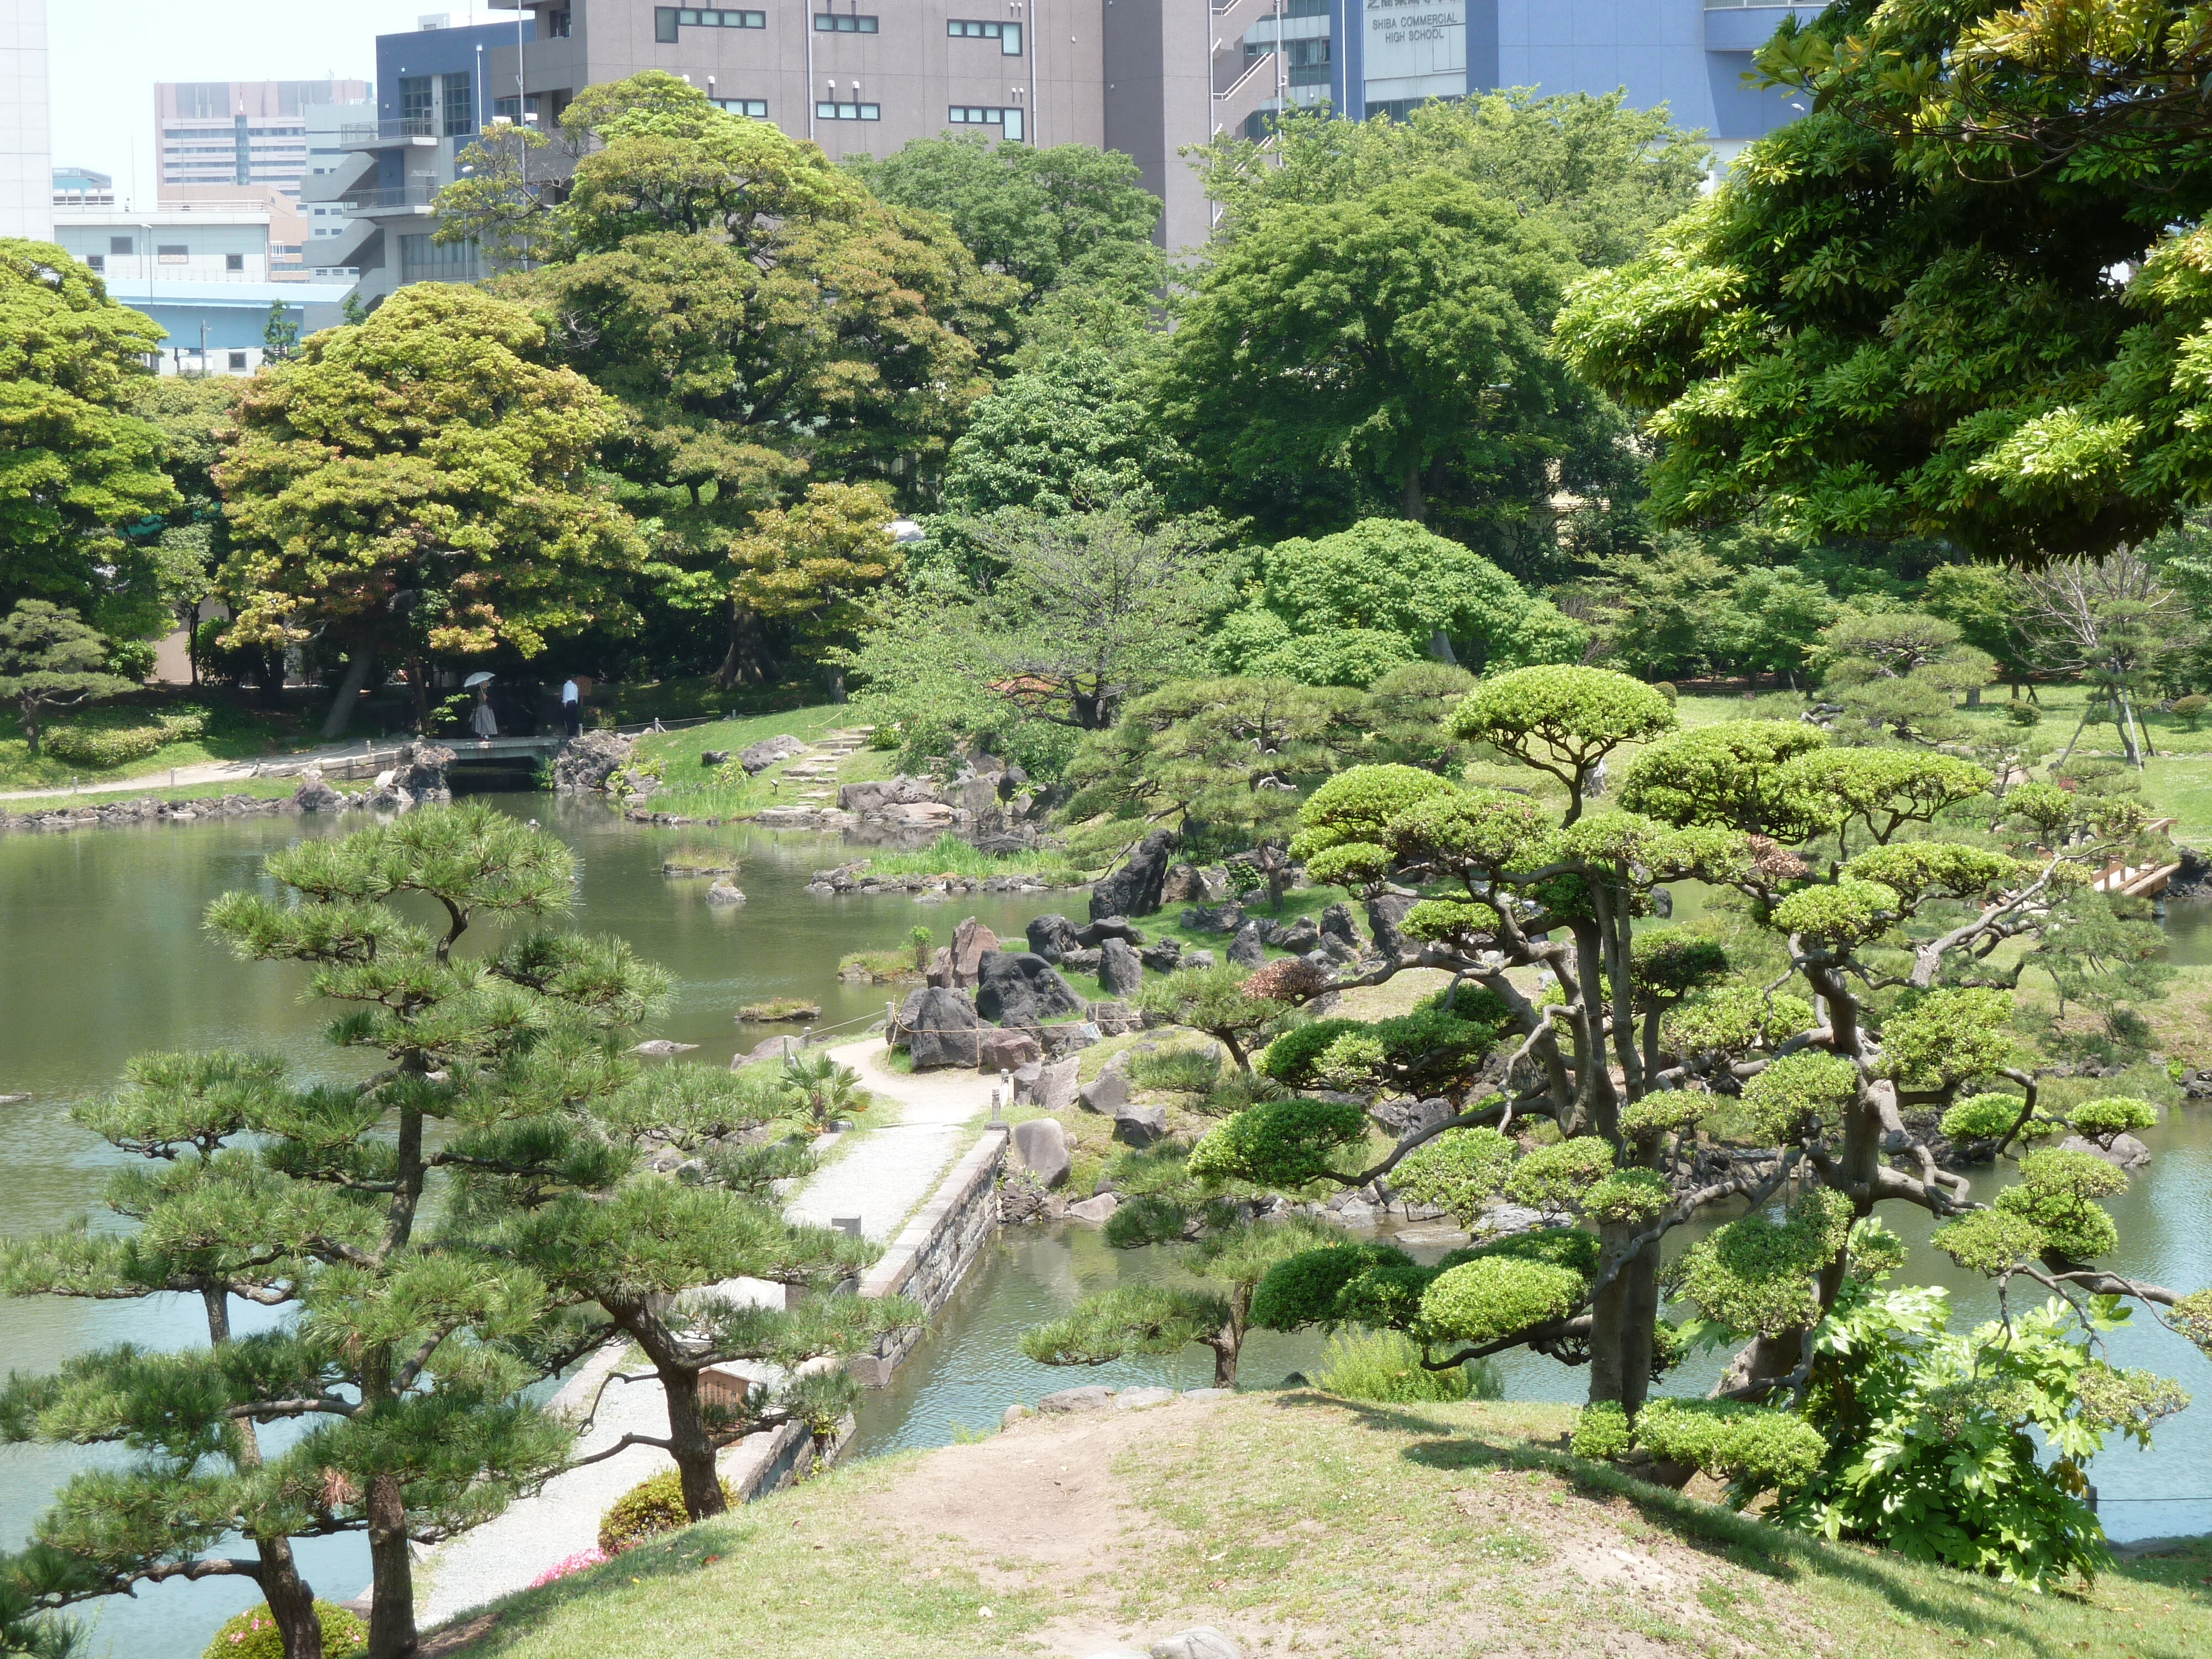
x=1899, y=315
x=418, y=483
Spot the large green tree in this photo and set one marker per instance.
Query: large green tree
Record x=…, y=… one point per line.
x=50, y=658
x=1399, y=337
x=419, y=486
x=1070, y=213
x=1899, y=314
x=78, y=468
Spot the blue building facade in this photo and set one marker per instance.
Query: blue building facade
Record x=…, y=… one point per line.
x=1385, y=55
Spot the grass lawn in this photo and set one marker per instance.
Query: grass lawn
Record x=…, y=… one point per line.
x=1302, y=1524
x=233, y=733
x=694, y=791
x=265, y=788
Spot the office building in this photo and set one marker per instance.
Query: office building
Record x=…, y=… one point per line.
x=1148, y=78
x=26, y=183
x=236, y=133
x=83, y=187
x=369, y=207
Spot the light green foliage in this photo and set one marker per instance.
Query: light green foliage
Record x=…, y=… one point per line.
x=1494, y=1297
x=1068, y=435
x=1726, y=774
x=2192, y=1316
x=1987, y=1116
x=1402, y=584
x=433, y=450
x=1795, y=1091
x=1147, y=1319
x=2057, y=1192
x=1563, y=721
x=75, y=468
x=1418, y=1055
x=1948, y=1037
x=1882, y=789
x=2111, y=1116
x=1756, y=1274
x=650, y=1508
x=1631, y=1195
x=1385, y=1367
x=2043, y=807
x=1839, y=915
x=1668, y=1111
x=1479, y=831
x=1668, y=964
x=1213, y=1000
x=1916, y=870
x=1406, y=711
x=1461, y=1170
x=1281, y=1143
x=1043, y=216
x=50, y=659
x=817, y=1088
x=1991, y=1242
x=1356, y=807
x=1968, y=1450
x=253, y=1634
x=1555, y=1178
x=1734, y=1020
x=1608, y=174
x=1754, y=1448
x=116, y=746
x=1601, y=1431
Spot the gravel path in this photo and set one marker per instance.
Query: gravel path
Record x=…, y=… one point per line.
x=223, y=771
x=919, y=1126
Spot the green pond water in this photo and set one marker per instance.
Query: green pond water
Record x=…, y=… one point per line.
x=102, y=955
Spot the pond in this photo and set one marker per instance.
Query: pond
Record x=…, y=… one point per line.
x=105, y=957
x=100, y=931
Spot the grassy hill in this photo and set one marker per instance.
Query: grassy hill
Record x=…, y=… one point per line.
x=1303, y=1524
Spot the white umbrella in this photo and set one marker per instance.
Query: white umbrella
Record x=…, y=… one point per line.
x=476, y=679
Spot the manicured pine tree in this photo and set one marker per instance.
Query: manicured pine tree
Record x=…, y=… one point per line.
x=211, y=1221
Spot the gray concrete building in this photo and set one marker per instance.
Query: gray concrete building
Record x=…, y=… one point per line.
x=239, y=132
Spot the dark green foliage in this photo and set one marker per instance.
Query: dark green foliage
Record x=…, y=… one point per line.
x=1371, y=1284
x=1183, y=1071
x=49, y=659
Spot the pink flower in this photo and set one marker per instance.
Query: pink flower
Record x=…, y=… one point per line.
x=580, y=1561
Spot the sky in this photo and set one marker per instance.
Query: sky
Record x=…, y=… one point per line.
x=107, y=54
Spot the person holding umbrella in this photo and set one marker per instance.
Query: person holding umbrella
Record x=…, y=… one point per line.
x=482, y=720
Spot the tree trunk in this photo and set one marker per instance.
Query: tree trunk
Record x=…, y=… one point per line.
x=29, y=707
x=391, y=1601
x=745, y=659
x=1416, y=504
x=1621, y=1320
x=358, y=669
x=418, y=686
x=291, y=1601
x=690, y=1445
x=1440, y=647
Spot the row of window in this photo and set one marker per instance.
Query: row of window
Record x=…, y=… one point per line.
x=167, y=253
x=848, y=112
x=668, y=20
x=756, y=107
x=972, y=115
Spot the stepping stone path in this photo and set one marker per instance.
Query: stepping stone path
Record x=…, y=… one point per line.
x=818, y=763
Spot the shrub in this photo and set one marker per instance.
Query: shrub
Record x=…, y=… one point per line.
x=1753, y=1447
x=1482, y=1300
x=253, y=1634
x=1183, y=1070
x=93, y=743
x=1386, y=1366
x=651, y=1507
x=2190, y=710
x=1601, y=1431
x=582, y=1561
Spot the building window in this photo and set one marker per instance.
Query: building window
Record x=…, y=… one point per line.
x=971, y=115
x=666, y=20
x=118, y=244
x=842, y=22
x=416, y=96
x=237, y=362
x=1008, y=35
x=557, y=24
x=97, y=261
x=756, y=107
x=460, y=108
x=233, y=262
x=173, y=253
x=848, y=112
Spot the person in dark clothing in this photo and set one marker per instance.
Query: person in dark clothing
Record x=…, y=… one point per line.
x=572, y=707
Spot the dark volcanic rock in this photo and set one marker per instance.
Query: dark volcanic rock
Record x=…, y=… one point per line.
x=1052, y=937
x=943, y=1031
x=1120, y=973
x=1019, y=988
x=1135, y=889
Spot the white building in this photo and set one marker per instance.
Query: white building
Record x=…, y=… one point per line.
x=27, y=178
x=195, y=242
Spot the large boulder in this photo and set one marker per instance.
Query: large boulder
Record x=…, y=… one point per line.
x=759, y=756
x=1007, y=1050
x=1248, y=949
x=1107, y=1094
x=970, y=939
x=944, y=1030
x=1165, y=955
x=1135, y=889
x=1106, y=928
x=314, y=795
x=423, y=775
x=1040, y=1146
x=1298, y=937
x=1140, y=1126
x=879, y=794
x=1214, y=918
x=1120, y=973
x=585, y=763
x=1114, y=1018
x=2126, y=1152
x=1336, y=922
x=1018, y=988
x=1386, y=914
x=1052, y=937
x=1049, y=1084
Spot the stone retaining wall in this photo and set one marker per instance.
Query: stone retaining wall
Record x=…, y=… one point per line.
x=928, y=1260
